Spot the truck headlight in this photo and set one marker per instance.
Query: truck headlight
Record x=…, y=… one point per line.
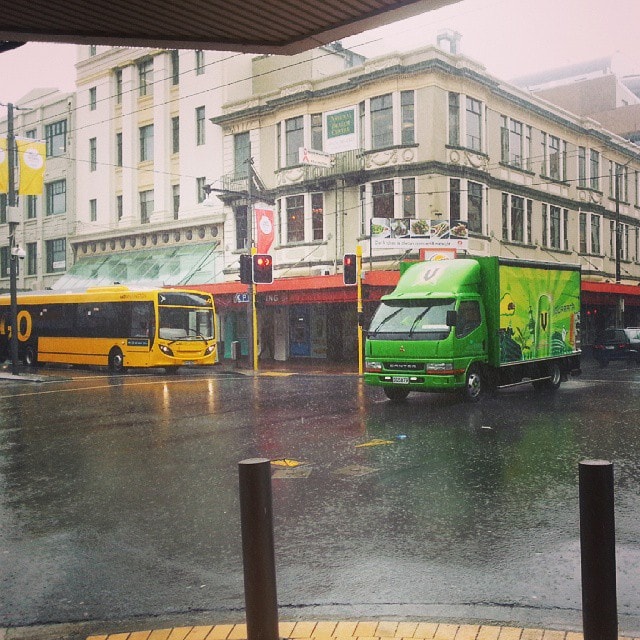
x=372, y=367
x=443, y=368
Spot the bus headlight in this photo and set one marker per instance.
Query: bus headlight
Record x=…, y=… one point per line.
x=372, y=367
x=166, y=350
x=210, y=349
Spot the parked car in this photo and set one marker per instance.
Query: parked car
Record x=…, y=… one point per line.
x=617, y=344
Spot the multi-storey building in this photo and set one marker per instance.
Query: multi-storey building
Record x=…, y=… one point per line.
x=46, y=221
x=436, y=138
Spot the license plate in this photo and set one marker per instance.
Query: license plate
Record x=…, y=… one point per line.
x=189, y=362
x=400, y=379
x=609, y=346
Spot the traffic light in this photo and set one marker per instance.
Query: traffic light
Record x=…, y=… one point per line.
x=245, y=269
x=350, y=268
x=262, y=268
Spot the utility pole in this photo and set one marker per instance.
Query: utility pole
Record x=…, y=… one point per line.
x=13, y=258
x=251, y=303
x=618, y=228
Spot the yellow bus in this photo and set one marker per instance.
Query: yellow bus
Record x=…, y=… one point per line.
x=114, y=326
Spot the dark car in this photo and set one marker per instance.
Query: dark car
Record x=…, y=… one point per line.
x=617, y=344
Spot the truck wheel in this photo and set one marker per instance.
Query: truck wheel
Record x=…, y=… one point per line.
x=553, y=383
x=396, y=394
x=476, y=383
x=116, y=361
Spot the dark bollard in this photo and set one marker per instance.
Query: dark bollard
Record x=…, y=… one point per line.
x=598, y=551
x=257, y=549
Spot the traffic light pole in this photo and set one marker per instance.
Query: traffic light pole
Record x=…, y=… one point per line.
x=252, y=321
x=13, y=258
x=359, y=283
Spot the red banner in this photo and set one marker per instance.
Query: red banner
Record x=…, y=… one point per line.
x=264, y=226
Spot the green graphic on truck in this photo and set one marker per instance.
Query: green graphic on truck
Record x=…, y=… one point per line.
x=476, y=324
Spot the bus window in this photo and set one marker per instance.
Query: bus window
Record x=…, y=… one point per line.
x=142, y=320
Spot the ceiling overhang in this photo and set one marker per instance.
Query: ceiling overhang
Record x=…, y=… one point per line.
x=270, y=26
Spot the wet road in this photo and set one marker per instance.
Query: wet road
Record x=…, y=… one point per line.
x=118, y=497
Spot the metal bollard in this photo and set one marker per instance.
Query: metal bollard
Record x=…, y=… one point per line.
x=598, y=551
x=258, y=550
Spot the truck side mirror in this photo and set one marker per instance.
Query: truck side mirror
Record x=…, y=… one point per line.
x=452, y=318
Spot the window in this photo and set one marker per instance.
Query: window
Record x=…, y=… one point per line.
x=622, y=176
x=241, y=154
x=93, y=49
x=32, y=258
x=93, y=210
x=56, y=137
x=516, y=218
x=294, y=139
x=241, y=227
x=199, y=62
x=119, y=149
x=201, y=194
x=4, y=262
x=469, y=318
x=295, y=218
x=145, y=77
x=31, y=134
x=589, y=233
x=146, y=143
x=408, y=197
x=175, y=67
x=119, y=207
x=474, y=124
x=175, y=196
x=3, y=208
x=381, y=122
x=175, y=134
x=474, y=207
x=117, y=74
x=582, y=167
x=316, y=131
x=56, y=255
x=594, y=169
x=93, y=98
x=383, y=196
x=200, y=130
x=554, y=157
x=146, y=206
x=554, y=227
x=454, y=119
x=56, y=196
x=93, y=154
x=407, y=117
x=32, y=207
x=317, y=216
x=515, y=143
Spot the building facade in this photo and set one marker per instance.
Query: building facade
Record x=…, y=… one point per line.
x=46, y=221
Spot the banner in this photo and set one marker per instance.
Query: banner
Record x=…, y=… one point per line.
x=264, y=226
x=31, y=155
x=4, y=166
x=413, y=233
x=340, y=130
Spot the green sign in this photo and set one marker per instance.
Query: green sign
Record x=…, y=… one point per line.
x=341, y=123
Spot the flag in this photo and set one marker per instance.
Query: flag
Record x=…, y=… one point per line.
x=264, y=225
x=4, y=166
x=31, y=154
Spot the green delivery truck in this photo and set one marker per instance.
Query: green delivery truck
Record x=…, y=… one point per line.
x=475, y=324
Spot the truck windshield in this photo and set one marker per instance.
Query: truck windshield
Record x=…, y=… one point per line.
x=411, y=319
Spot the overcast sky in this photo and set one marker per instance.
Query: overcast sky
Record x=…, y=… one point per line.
x=510, y=37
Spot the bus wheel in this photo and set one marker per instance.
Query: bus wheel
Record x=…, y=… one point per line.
x=116, y=360
x=396, y=394
x=30, y=356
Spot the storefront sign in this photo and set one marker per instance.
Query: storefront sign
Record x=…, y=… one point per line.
x=340, y=130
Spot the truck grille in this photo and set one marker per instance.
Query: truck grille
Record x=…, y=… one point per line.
x=404, y=366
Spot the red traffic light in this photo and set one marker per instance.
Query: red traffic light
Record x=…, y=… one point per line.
x=262, y=268
x=350, y=268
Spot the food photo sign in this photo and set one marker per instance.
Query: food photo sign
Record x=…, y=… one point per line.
x=413, y=233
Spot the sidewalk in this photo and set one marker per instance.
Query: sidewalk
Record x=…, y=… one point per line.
x=365, y=630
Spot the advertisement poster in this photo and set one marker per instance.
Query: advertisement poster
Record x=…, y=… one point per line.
x=264, y=227
x=413, y=233
x=539, y=312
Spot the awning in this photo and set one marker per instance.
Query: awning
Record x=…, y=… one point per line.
x=182, y=265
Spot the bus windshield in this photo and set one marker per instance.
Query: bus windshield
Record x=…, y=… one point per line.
x=411, y=319
x=180, y=323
